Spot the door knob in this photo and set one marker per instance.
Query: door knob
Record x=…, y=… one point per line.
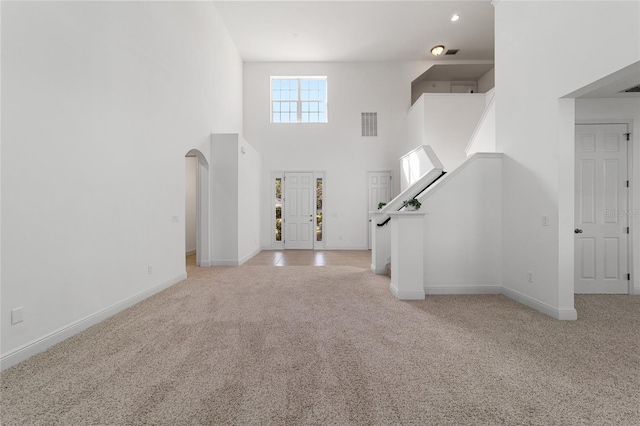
x=577, y=231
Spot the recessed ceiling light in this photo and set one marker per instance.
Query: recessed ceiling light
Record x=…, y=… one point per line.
x=455, y=17
x=437, y=50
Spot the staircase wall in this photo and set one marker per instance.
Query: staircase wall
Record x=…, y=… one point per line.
x=446, y=122
x=463, y=223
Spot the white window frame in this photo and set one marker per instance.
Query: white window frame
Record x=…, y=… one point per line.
x=299, y=101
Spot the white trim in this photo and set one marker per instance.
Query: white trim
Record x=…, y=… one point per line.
x=634, y=282
x=463, y=289
x=446, y=178
x=406, y=295
x=249, y=256
x=43, y=343
x=228, y=262
x=346, y=248
x=559, y=314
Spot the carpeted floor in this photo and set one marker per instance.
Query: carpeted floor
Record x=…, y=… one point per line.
x=330, y=346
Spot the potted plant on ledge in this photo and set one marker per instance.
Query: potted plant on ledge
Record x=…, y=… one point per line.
x=411, y=205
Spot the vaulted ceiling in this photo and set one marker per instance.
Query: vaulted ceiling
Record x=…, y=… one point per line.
x=328, y=31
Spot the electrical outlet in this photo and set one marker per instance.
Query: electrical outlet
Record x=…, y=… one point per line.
x=530, y=276
x=17, y=315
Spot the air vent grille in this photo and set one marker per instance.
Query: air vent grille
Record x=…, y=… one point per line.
x=369, y=124
x=634, y=89
x=452, y=51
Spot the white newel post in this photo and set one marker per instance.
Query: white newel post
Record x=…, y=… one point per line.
x=407, y=251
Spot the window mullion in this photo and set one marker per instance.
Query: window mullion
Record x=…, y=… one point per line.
x=299, y=109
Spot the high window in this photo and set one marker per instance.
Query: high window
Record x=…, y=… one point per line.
x=298, y=99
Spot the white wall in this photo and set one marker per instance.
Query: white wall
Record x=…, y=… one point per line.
x=101, y=101
x=487, y=81
x=336, y=147
x=236, y=199
x=431, y=86
x=484, y=135
x=190, y=177
x=249, y=191
x=534, y=128
x=448, y=123
x=463, y=245
x=603, y=110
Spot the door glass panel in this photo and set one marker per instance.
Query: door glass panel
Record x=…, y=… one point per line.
x=319, y=209
x=278, y=207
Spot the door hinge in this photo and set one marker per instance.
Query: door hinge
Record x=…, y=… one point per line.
x=627, y=135
x=627, y=229
x=627, y=184
x=628, y=277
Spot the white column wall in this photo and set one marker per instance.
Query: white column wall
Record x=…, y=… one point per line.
x=100, y=103
x=545, y=50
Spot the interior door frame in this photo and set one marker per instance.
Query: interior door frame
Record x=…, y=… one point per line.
x=630, y=200
x=279, y=174
x=391, y=192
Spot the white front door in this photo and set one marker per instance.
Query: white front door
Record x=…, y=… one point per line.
x=601, y=238
x=299, y=210
x=379, y=192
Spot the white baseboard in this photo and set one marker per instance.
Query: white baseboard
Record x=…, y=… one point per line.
x=393, y=289
x=559, y=314
x=249, y=256
x=463, y=289
x=379, y=271
x=406, y=295
x=347, y=248
x=225, y=263
x=205, y=264
x=43, y=343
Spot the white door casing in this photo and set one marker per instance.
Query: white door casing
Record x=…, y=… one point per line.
x=379, y=190
x=601, y=207
x=299, y=201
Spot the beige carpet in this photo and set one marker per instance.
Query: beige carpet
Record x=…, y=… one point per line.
x=329, y=345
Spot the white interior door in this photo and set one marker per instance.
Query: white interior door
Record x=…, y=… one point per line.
x=379, y=191
x=601, y=238
x=299, y=210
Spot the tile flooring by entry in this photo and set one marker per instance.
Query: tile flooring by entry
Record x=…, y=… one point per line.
x=357, y=258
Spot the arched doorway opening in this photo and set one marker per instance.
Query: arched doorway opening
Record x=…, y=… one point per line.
x=197, y=229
